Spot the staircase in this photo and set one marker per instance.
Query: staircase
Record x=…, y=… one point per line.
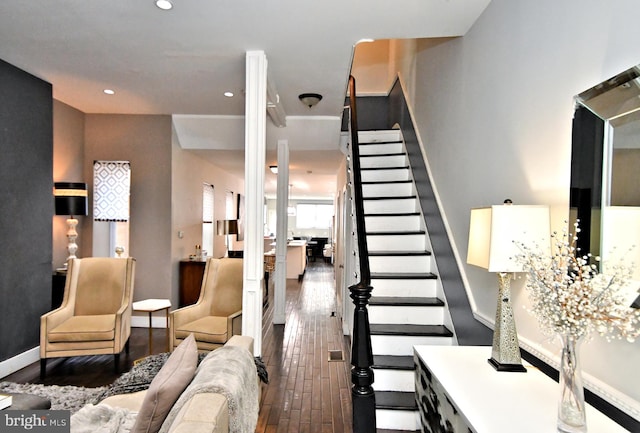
x=407, y=306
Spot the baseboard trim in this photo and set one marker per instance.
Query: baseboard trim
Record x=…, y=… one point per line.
x=11, y=365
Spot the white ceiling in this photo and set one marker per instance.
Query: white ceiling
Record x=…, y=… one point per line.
x=180, y=62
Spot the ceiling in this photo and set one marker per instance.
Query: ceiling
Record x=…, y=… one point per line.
x=180, y=62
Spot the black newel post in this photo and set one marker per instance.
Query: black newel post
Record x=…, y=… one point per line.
x=362, y=394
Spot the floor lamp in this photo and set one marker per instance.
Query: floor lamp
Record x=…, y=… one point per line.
x=70, y=198
x=493, y=232
x=227, y=228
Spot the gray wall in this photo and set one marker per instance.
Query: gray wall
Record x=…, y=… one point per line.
x=26, y=207
x=494, y=110
x=145, y=141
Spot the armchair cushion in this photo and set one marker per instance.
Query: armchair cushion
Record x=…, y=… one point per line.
x=167, y=386
x=212, y=329
x=85, y=328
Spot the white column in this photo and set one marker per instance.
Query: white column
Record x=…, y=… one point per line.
x=254, y=167
x=280, y=279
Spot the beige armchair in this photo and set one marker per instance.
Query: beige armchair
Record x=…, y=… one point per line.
x=218, y=313
x=95, y=315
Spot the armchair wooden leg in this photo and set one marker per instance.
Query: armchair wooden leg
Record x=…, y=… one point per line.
x=43, y=368
x=126, y=346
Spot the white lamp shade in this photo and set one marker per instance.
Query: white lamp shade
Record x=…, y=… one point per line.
x=621, y=237
x=493, y=230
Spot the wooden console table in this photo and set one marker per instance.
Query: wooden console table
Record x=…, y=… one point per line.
x=191, y=273
x=455, y=385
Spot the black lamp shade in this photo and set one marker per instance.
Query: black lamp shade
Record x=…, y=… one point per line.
x=70, y=198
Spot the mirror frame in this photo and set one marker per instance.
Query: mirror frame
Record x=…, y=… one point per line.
x=591, y=150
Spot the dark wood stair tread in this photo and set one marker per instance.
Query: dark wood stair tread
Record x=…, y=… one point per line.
x=402, y=233
x=373, y=143
x=402, y=167
x=401, y=301
x=396, y=400
x=373, y=155
x=391, y=214
x=392, y=362
x=403, y=275
x=399, y=253
x=413, y=330
x=391, y=197
x=386, y=182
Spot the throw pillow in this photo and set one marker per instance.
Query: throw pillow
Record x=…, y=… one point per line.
x=167, y=386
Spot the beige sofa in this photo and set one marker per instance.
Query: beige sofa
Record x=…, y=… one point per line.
x=202, y=412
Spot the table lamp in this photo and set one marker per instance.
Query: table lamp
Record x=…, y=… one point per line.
x=70, y=199
x=492, y=233
x=227, y=228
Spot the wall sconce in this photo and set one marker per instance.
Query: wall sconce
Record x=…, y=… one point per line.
x=70, y=199
x=274, y=169
x=492, y=232
x=227, y=228
x=310, y=99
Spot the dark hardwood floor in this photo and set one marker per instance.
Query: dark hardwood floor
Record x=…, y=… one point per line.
x=306, y=393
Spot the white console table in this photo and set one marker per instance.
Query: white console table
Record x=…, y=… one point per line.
x=455, y=385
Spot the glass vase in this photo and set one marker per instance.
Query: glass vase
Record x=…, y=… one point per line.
x=571, y=409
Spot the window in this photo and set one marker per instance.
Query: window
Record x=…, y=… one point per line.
x=207, y=218
x=111, y=191
x=314, y=216
x=229, y=212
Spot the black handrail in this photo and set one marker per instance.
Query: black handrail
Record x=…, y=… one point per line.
x=363, y=396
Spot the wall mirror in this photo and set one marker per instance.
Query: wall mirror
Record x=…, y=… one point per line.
x=605, y=172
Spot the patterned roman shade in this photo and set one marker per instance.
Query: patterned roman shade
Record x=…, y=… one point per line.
x=111, y=188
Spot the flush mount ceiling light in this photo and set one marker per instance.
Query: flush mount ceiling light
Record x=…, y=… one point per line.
x=109, y=92
x=228, y=94
x=165, y=5
x=310, y=99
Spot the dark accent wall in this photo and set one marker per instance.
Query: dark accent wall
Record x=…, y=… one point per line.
x=468, y=330
x=26, y=207
x=373, y=113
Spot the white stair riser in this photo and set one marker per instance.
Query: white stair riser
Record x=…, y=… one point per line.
x=394, y=205
x=394, y=380
x=384, y=175
x=381, y=149
x=406, y=315
x=400, y=263
x=398, y=419
x=376, y=136
x=387, y=190
x=402, y=345
x=409, y=288
x=396, y=243
x=390, y=223
x=383, y=161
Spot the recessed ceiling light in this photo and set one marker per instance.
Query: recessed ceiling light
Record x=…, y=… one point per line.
x=109, y=91
x=228, y=94
x=165, y=5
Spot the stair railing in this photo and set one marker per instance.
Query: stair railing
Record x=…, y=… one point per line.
x=363, y=397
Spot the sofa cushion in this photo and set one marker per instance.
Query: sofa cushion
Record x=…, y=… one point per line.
x=167, y=386
x=210, y=329
x=85, y=328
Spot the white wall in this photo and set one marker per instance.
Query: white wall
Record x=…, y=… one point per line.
x=494, y=110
